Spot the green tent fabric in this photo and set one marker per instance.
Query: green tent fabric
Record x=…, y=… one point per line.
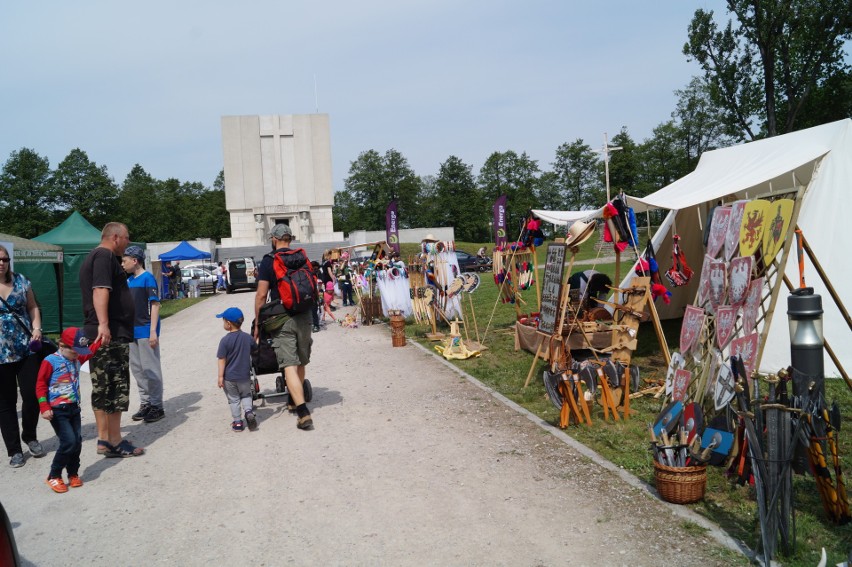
x=77, y=237
x=41, y=263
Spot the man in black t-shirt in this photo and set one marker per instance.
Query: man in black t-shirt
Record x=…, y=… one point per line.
x=108, y=317
x=290, y=334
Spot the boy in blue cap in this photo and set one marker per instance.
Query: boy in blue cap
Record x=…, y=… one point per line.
x=234, y=356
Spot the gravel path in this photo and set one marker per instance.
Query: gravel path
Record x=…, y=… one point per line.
x=409, y=464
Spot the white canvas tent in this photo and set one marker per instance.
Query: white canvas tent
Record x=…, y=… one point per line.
x=819, y=159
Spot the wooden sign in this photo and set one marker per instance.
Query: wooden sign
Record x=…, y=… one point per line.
x=551, y=289
x=752, y=226
x=718, y=230
x=779, y=213
x=732, y=238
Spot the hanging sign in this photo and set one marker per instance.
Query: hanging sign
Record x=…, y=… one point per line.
x=752, y=226
x=392, y=226
x=732, y=238
x=680, y=384
x=738, y=279
x=726, y=316
x=718, y=284
x=693, y=321
x=551, y=288
x=499, y=222
x=779, y=212
x=746, y=348
x=752, y=305
x=718, y=230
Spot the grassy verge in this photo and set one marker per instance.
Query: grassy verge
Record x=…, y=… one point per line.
x=626, y=443
x=172, y=306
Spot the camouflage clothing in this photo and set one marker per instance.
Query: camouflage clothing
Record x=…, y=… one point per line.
x=110, y=371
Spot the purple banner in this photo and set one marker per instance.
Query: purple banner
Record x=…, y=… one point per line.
x=392, y=226
x=499, y=210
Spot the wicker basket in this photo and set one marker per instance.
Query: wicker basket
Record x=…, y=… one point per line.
x=680, y=485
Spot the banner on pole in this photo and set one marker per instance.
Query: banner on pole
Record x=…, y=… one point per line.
x=499, y=210
x=392, y=226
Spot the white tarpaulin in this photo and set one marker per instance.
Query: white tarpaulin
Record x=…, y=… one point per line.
x=818, y=158
x=567, y=217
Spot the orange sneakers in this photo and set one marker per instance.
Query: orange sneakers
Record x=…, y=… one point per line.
x=57, y=485
x=74, y=481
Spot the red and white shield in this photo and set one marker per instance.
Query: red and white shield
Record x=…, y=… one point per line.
x=718, y=230
x=693, y=321
x=732, y=238
x=751, y=305
x=746, y=348
x=680, y=384
x=726, y=316
x=718, y=284
x=739, y=276
x=677, y=362
x=704, y=283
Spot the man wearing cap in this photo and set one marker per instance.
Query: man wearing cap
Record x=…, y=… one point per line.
x=292, y=339
x=145, y=348
x=108, y=314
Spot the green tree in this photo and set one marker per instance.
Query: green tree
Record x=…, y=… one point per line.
x=700, y=123
x=26, y=195
x=768, y=65
x=578, y=169
x=624, y=166
x=514, y=175
x=400, y=183
x=460, y=203
x=140, y=206
x=83, y=186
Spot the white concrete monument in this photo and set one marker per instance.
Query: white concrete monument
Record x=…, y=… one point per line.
x=278, y=169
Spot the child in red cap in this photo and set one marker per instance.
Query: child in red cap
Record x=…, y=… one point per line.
x=327, y=298
x=58, y=391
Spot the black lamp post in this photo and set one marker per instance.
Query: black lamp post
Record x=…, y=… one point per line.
x=804, y=310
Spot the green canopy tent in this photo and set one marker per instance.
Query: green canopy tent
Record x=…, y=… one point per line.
x=41, y=263
x=77, y=237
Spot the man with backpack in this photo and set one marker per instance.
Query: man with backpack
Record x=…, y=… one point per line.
x=286, y=292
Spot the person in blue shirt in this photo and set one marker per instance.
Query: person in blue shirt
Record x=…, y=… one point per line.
x=145, y=348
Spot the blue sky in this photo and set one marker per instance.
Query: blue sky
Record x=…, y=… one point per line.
x=148, y=82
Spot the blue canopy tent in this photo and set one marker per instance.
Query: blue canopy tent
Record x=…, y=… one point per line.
x=184, y=251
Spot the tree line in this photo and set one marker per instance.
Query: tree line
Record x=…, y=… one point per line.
x=776, y=66
x=35, y=198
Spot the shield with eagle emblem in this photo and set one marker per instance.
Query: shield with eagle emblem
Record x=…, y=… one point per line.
x=779, y=212
x=739, y=277
x=693, y=321
x=718, y=230
x=732, y=238
x=752, y=305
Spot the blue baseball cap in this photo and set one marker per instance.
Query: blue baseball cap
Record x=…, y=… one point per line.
x=231, y=314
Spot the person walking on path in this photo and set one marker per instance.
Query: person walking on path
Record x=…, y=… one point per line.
x=234, y=355
x=58, y=390
x=145, y=348
x=291, y=334
x=167, y=276
x=20, y=323
x=108, y=318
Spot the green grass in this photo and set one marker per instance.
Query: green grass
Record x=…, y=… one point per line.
x=626, y=443
x=172, y=306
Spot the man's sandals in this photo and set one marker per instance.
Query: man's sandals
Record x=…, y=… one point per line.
x=122, y=450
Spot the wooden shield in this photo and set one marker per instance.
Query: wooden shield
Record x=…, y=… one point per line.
x=739, y=276
x=677, y=362
x=746, y=348
x=704, y=283
x=718, y=283
x=723, y=391
x=693, y=321
x=732, y=238
x=726, y=316
x=718, y=230
x=751, y=305
x=779, y=214
x=752, y=226
x=680, y=384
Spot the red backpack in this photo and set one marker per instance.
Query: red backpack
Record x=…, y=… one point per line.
x=297, y=284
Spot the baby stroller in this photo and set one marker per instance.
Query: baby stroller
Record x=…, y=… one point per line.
x=263, y=361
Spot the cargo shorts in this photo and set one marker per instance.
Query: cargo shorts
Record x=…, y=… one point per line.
x=110, y=371
x=292, y=342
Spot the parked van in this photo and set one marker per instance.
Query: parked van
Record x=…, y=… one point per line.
x=241, y=274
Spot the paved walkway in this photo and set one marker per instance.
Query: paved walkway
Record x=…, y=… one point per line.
x=410, y=464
